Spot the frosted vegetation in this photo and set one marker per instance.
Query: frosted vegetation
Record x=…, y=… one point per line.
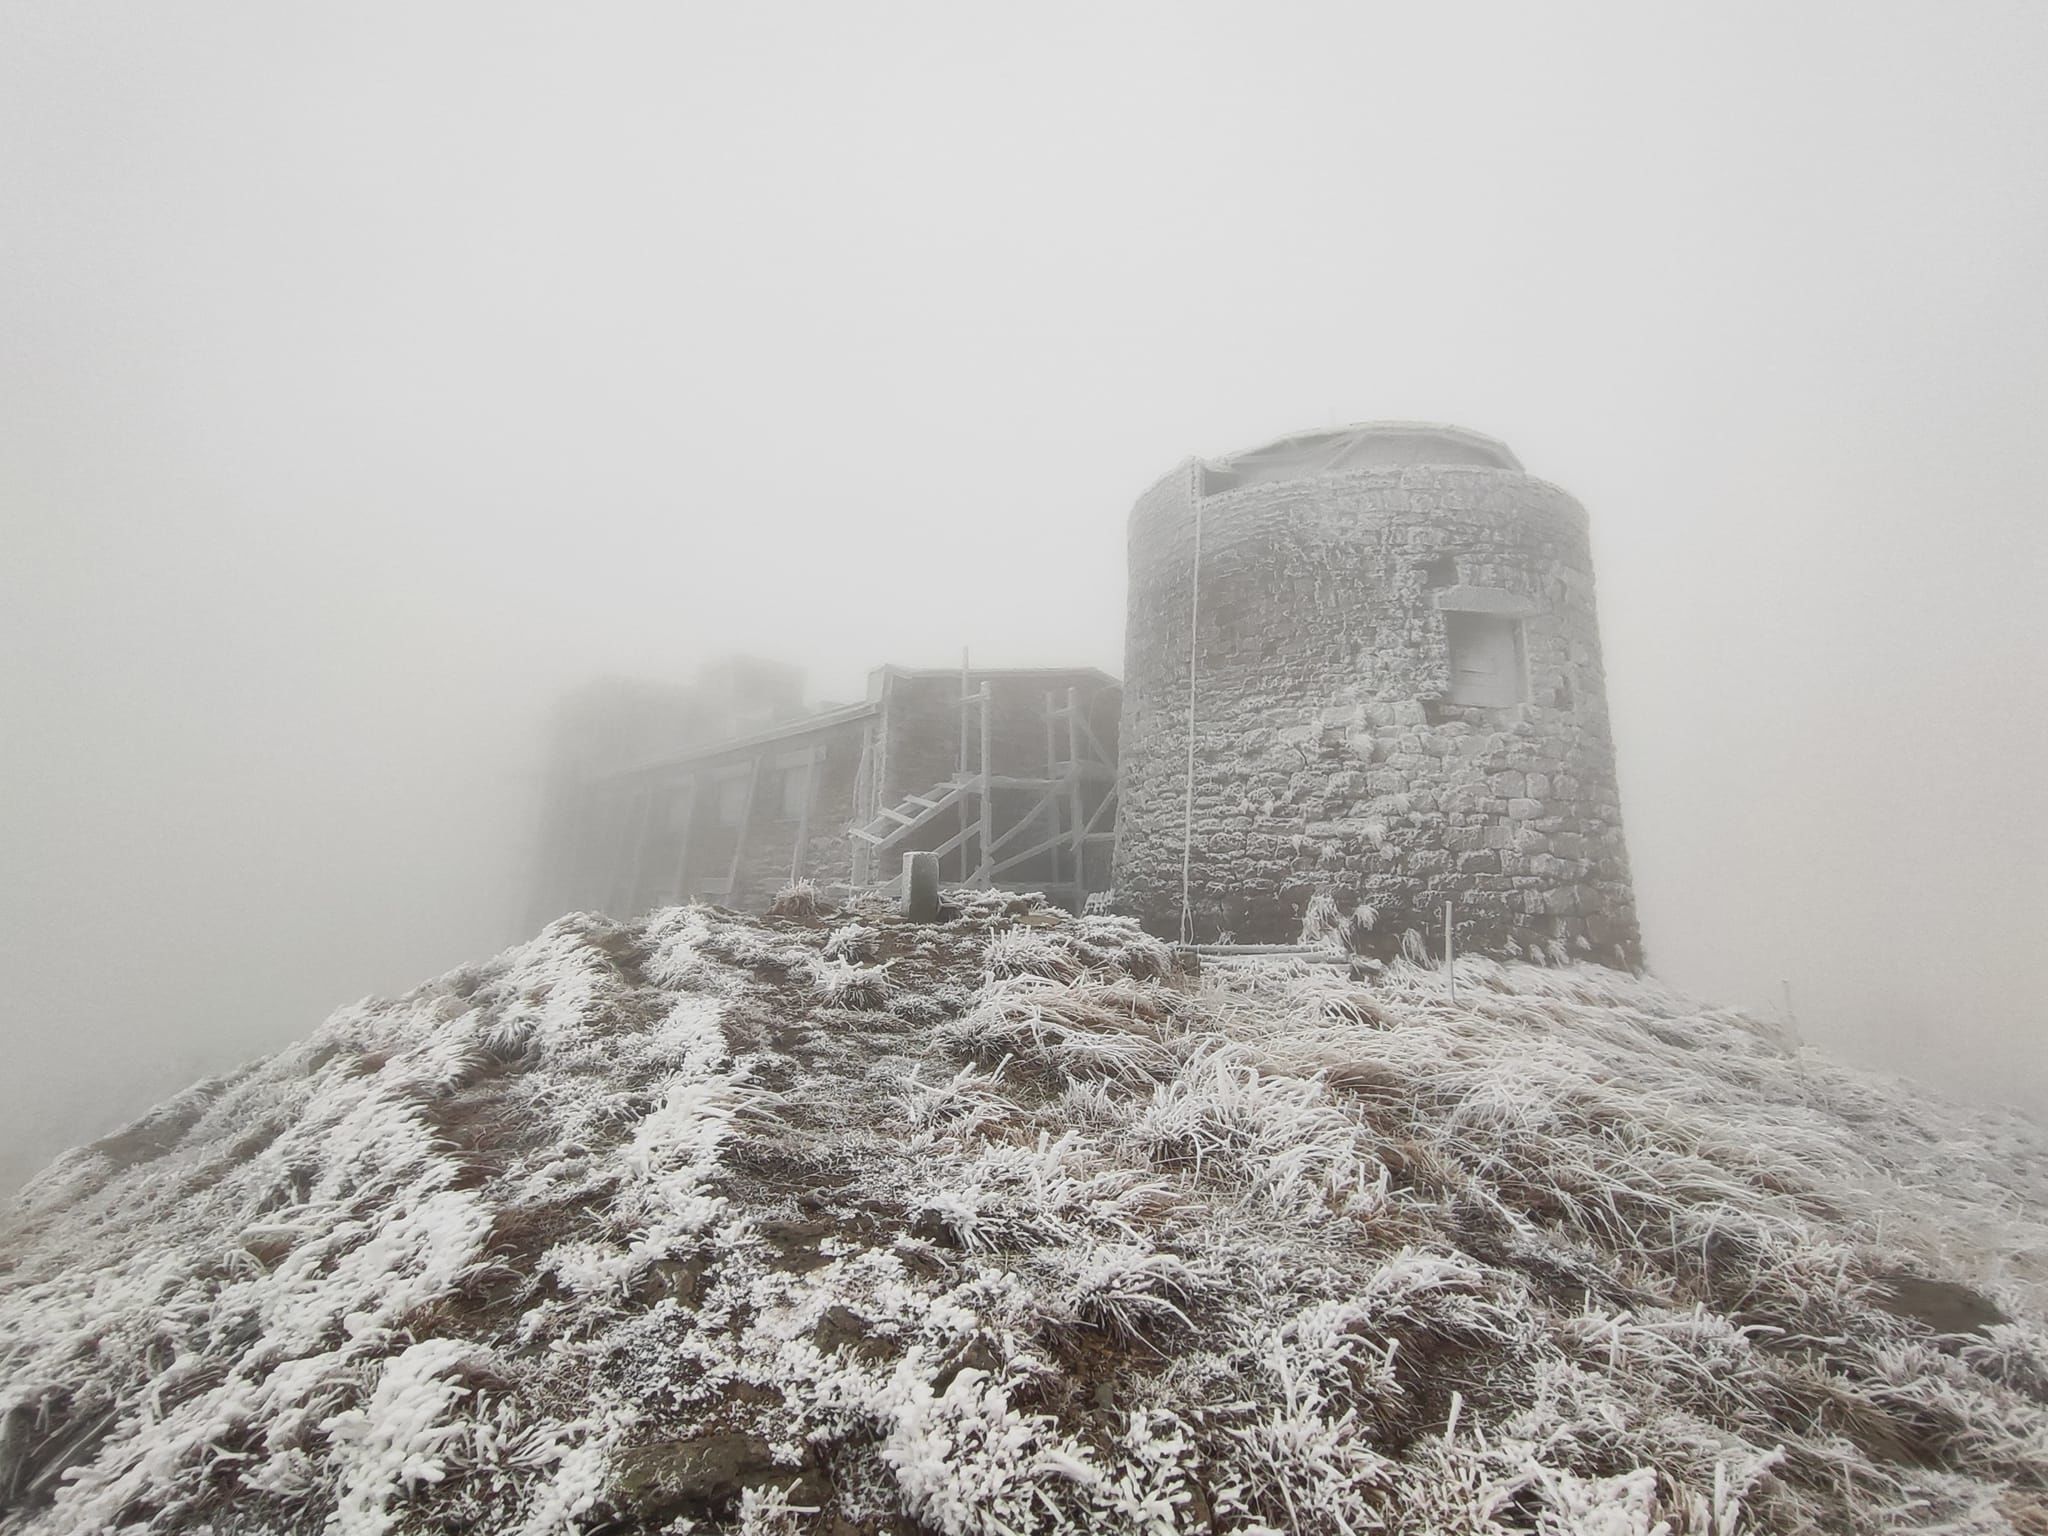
x=825, y=1222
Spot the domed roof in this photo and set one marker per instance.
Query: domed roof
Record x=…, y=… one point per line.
x=1362, y=445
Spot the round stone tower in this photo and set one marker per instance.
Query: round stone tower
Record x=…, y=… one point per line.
x=1397, y=701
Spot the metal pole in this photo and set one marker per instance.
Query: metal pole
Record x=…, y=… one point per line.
x=1187, y=823
x=1450, y=952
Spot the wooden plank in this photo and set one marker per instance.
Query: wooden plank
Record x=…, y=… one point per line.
x=632, y=852
x=1052, y=773
x=1036, y=848
x=1024, y=823
x=1078, y=856
x=957, y=840
x=964, y=696
x=863, y=782
x=803, y=822
x=1108, y=800
x=875, y=832
x=988, y=805
x=688, y=817
x=1102, y=756
x=739, y=846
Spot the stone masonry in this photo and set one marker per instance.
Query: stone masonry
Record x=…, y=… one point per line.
x=1398, y=699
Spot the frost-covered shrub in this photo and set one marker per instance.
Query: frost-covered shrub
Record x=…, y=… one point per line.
x=1325, y=924
x=1087, y=1027
x=918, y=1008
x=799, y=898
x=1281, y=1140
x=964, y=1103
x=1134, y=1291
x=402, y=1437
x=842, y=984
x=855, y=942
x=1029, y=952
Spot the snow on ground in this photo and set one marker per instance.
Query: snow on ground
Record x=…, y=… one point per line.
x=827, y=1222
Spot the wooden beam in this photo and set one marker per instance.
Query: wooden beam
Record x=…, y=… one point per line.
x=988, y=807
x=1078, y=856
x=1052, y=773
x=863, y=782
x=1036, y=848
x=964, y=696
x=957, y=840
x=803, y=822
x=888, y=835
x=1108, y=800
x=688, y=818
x=739, y=845
x=1023, y=823
x=1080, y=719
x=632, y=852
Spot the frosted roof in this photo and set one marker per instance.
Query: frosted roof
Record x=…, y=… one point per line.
x=1363, y=445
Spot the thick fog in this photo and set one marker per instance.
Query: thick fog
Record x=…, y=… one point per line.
x=372, y=374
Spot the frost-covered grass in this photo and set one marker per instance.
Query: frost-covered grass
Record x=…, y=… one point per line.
x=1010, y=1224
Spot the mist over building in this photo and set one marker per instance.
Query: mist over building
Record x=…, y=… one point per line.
x=1362, y=666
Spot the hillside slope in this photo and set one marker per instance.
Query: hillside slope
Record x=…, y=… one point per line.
x=825, y=1222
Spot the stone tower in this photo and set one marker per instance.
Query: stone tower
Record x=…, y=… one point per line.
x=1397, y=700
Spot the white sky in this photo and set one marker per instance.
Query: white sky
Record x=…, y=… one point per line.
x=371, y=372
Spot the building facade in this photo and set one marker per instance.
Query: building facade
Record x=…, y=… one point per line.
x=663, y=796
x=1365, y=664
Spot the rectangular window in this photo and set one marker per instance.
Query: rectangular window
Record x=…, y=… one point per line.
x=1487, y=666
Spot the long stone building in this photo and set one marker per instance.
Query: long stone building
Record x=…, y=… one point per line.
x=1361, y=664
x=728, y=789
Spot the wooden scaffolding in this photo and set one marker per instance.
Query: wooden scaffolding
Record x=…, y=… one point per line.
x=994, y=816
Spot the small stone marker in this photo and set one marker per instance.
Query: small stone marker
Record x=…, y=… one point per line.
x=921, y=887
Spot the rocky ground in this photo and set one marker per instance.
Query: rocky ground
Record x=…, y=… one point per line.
x=825, y=1222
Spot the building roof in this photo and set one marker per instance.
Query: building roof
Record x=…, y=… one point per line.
x=840, y=714
x=804, y=725
x=1362, y=445
x=894, y=669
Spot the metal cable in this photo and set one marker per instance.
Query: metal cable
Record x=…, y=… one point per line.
x=1187, y=828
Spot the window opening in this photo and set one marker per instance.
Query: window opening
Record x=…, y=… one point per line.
x=1487, y=666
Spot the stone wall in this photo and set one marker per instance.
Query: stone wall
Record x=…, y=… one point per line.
x=1329, y=757
x=771, y=853
x=671, y=834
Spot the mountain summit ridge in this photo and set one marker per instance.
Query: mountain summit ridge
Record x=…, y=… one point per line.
x=1016, y=1222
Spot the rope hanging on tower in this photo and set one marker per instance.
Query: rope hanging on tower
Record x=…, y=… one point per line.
x=1187, y=825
